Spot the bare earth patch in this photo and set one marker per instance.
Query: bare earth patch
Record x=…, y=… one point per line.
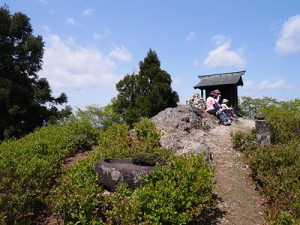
x=238, y=201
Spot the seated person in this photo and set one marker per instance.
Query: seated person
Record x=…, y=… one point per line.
x=218, y=93
x=213, y=107
x=227, y=110
x=210, y=103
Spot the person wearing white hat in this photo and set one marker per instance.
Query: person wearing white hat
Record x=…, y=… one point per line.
x=228, y=110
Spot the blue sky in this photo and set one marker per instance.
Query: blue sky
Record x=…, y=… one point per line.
x=90, y=45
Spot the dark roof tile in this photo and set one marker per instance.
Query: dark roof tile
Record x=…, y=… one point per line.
x=221, y=79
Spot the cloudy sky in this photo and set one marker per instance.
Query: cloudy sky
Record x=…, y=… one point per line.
x=91, y=44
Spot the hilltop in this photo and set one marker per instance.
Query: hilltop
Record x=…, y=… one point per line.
x=184, y=132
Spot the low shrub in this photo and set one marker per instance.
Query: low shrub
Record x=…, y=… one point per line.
x=244, y=142
x=29, y=167
x=276, y=169
x=173, y=194
x=79, y=198
x=148, y=159
x=284, y=124
x=178, y=192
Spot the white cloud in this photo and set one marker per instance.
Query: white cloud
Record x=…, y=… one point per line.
x=120, y=53
x=87, y=11
x=191, y=36
x=289, y=38
x=71, y=21
x=267, y=85
x=67, y=65
x=219, y=39
x=222, y=55
x=279, y=84
x=101, y=36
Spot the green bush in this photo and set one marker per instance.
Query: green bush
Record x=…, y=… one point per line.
x=179, y=191
x=173, y=194
x=79, y=198
x=244, y=142
x=148, y=159
x=284, y=124
x=29, y=167
x=277, y=171
x=276, y=167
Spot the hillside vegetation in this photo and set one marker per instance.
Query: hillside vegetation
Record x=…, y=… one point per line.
x=30, y=166
x=276, y=167
x=176, y=193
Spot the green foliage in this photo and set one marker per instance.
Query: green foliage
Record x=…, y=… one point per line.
x=145, y=94
x=29, y=167
x=23, y=95
x=79, y=196
x=276, y=167
x=147, y=159
x=181, y=189
x=244, y=142
x=147, y=135
x=248, y=106
x=277, y=170
x=284, y=124
x=173, y=194
x=100, y=117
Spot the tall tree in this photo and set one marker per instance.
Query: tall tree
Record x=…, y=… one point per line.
x=25, y=99
x=147, y=93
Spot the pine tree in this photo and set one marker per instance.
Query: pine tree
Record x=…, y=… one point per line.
x=147, y=93
x=25, y=99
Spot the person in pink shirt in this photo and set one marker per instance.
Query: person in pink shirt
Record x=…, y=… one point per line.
x=210, y=102
x=213, y=107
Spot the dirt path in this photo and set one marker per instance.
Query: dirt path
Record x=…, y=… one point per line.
x=238, y=201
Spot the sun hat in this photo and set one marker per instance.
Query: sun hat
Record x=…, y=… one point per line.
x=217, y=91
x=212, y=93
x=225, y=100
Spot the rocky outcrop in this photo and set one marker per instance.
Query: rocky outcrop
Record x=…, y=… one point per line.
x=184, y=130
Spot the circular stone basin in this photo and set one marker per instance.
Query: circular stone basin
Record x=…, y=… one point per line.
x=112, y=172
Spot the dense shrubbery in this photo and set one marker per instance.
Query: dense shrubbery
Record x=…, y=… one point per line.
x=173, y=194
x=276, y=167
x=277, y=171
x=30, y=166
x=284, y=124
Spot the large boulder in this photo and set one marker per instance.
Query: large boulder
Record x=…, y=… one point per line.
x=184, y=130
x=113, y=172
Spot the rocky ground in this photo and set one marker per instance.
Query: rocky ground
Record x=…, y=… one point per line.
x=184, y=132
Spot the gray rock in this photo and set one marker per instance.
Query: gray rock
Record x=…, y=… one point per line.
x=184, y=132
x=113, y=172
